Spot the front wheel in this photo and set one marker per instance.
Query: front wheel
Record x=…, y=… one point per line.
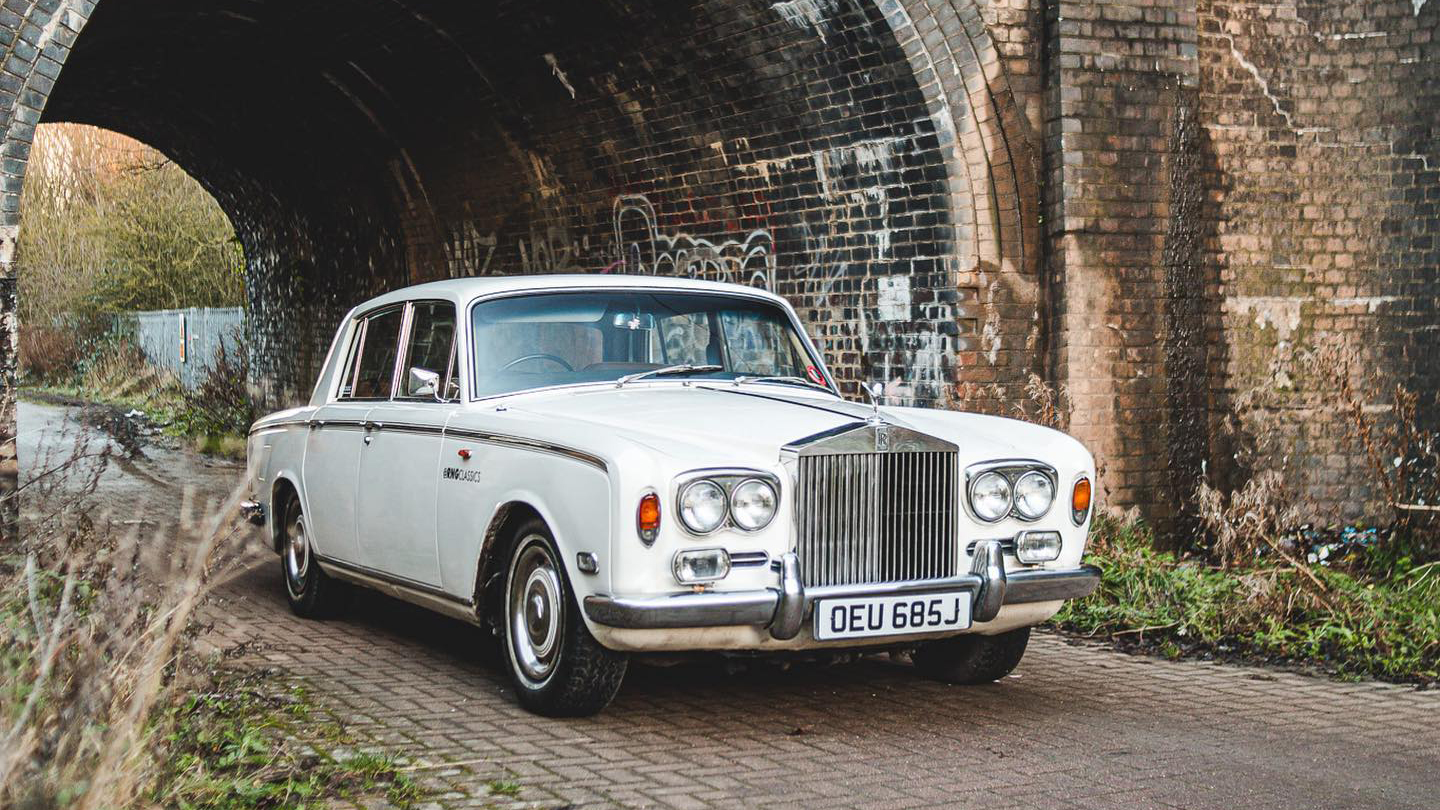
x=559, y=669
x=972, y=659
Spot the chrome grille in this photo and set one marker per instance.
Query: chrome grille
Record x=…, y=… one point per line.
x=877, y=517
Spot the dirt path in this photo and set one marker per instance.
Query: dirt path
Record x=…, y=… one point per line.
x=161, y=485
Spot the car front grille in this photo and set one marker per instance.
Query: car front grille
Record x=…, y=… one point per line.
x=877, y=517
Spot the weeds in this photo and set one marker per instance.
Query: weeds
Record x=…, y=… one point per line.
x=104, y=701
x=220, y=406
x=1342, y=621
x=503, y=787
x=214, y=418
x=246, y=742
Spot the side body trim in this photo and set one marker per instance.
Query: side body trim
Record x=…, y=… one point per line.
x=418, y=593
x=529, y=444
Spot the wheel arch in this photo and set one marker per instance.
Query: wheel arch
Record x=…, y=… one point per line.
x=495, y=548
x=284, y=486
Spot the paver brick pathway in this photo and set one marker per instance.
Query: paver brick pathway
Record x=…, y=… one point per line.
x=1075, y=727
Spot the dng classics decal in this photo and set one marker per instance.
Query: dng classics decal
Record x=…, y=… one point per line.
x=457, y=474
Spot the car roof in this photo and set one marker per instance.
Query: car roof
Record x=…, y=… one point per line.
x=463, y=290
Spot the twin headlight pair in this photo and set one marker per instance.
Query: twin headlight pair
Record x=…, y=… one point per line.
x=745, y=502
x=995, y=495
x=1024, y=491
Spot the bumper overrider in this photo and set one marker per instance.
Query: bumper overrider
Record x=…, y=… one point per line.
x=784, y=609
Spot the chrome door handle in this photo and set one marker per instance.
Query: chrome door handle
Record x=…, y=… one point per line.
x=369, y=438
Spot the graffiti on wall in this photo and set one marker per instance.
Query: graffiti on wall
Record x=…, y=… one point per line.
x=643, y=249
x=845, y=257
x=638, y=246
x=841, y=257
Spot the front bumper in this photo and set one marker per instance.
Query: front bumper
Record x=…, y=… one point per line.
x=784, y=609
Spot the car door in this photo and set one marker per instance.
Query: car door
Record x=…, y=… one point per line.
x=400, y=463
x=337, y=433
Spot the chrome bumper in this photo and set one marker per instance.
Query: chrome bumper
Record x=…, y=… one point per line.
x=785, y=609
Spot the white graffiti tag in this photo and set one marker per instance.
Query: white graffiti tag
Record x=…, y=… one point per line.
x=644, y=250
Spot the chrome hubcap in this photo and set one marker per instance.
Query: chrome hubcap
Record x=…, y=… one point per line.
x=297, y=554
x=536, y=610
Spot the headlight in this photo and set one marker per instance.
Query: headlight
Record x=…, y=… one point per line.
x=752, y=504
x=990, y=496
x=703, y=506
x=1034, y=492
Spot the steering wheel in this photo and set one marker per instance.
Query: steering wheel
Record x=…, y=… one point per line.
x=517, y=361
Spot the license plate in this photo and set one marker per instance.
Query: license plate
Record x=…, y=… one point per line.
x=867, y=616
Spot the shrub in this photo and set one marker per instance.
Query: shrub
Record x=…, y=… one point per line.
x=1346, y=621
x=114, y=369
x=220, y=405
x=49, y=354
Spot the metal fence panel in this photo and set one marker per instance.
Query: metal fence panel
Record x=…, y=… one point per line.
x=185, y=341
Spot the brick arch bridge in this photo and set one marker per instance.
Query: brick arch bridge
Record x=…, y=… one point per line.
x=1159, y=205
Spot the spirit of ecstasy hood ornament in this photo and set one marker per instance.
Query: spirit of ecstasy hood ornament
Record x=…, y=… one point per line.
x=874, y=391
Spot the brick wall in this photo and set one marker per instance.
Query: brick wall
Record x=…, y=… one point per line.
x=1120, y=77
x=783, y=145
x=1322, y=126
x=1166, y=207
x=35, y=39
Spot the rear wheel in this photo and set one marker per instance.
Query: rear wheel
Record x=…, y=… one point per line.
x=312, y=594
x=559, y=669
x=972, y=659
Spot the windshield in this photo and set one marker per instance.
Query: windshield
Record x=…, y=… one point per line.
x=541, y=340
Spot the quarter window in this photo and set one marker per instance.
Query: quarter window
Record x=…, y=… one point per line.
x=374, y=370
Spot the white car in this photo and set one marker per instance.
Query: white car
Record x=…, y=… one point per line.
x=598, y=465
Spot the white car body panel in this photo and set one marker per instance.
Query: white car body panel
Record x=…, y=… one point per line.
x=395, y=506
x=406, y=511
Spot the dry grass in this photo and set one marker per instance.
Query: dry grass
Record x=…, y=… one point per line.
x=107, y=700
x=1038, y=401
x=94, y=623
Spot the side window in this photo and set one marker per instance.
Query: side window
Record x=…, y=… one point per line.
x=375, y=370
x=429, y=350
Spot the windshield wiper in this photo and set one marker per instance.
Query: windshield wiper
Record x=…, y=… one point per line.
x=667, y=371
x=783, y=379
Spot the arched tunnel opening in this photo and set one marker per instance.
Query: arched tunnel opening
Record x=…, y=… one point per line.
x=116, y=233
x=363, y=147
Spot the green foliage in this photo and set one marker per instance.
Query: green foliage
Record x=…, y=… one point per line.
x=1381, y=620
x=246, y=744
x=109, y=225
x=220, y=406
x=503, y=787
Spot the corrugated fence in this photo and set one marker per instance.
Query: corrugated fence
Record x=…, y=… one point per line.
x=185, y=340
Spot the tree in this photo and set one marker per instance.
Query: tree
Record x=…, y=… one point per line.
x=110, y=225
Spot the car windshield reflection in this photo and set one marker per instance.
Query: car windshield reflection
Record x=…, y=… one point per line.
x=544, y=340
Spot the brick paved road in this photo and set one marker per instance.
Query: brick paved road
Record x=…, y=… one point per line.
x=1075, y=727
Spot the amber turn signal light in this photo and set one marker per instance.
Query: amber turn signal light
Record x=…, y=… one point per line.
x=1080, y=501
x=647, y=518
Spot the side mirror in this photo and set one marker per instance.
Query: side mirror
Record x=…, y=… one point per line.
x=422, y=383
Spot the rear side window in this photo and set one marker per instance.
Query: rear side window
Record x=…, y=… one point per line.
x=372, y=363
x=429, y=350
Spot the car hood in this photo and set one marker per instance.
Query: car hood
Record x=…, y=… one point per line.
x=726, y=424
